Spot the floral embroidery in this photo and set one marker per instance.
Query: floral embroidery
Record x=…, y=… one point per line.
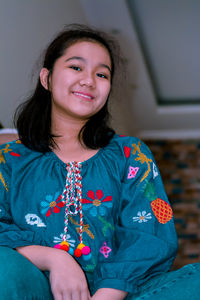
x=97, y=205
x=58, y=240
x=142, y=158
x=105, y=250
x=52, y=204
x=132, y=172
x=127, y=151
x=2, y=160
x=33, y=219
x=142, y=217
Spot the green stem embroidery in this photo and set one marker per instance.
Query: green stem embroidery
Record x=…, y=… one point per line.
x=107, y=225
x=91, y=267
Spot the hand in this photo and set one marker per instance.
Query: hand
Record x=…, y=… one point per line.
x=67, y=279
x=109, y=294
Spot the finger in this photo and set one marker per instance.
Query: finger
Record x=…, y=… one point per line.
x=89, y=296
x=67, y=296
x=85, y=295
x=57, y=296
x=76, y=295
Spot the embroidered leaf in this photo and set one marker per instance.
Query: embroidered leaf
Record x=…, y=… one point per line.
x=14, y=154
x=2, y=159
x=3, y=181
x=127, y=151
x=107, y=225
x=150, y=191
x=6, y=149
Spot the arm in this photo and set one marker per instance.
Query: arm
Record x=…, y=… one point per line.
x=146, y=241
x=66, y=276
x=109, y=294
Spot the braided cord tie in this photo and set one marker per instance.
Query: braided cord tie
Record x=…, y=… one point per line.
x=72, y=197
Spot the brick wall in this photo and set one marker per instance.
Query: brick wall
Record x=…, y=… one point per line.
x=179, y=164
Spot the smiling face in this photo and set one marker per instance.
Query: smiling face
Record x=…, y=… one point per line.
x=80, y=81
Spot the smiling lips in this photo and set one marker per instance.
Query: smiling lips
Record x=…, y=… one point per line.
x=84, y=95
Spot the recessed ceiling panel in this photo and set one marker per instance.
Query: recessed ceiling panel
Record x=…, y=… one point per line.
x=170, y=40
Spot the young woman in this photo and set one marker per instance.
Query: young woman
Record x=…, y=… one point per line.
x=83, y=211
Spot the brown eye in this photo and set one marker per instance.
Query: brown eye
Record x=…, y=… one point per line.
x=75, y=68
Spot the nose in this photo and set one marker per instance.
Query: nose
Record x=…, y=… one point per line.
x=88, y=80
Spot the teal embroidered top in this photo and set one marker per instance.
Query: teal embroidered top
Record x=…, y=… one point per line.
x=123, y=217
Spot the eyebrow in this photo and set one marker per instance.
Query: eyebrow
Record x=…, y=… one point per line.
x=82, y=59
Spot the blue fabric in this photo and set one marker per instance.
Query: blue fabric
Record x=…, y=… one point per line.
x=20, y=279
x=128, y=221
x=183, y=284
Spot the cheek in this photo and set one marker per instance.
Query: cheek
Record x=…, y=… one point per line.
x=59, y=84
x=106, y=91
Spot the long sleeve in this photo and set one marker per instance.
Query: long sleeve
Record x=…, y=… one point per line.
x=145, y=237
x=11, y=235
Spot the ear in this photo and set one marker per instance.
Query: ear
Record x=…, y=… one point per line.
x=44, y=73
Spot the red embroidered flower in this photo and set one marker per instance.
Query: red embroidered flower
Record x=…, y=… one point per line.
x=51, y=204
x=97, y=205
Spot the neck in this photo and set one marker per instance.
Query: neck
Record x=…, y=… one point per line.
x=68, y=146
x=66, y=130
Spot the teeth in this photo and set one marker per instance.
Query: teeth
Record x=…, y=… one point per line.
x=82, y=95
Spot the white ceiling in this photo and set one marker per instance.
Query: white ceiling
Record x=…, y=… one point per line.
x=142, y=113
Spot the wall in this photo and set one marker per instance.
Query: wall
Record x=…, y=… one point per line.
x=25, y=29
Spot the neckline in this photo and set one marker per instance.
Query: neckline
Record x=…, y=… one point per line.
x=85, y=162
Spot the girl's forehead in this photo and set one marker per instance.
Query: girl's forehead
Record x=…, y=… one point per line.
x=88, y=45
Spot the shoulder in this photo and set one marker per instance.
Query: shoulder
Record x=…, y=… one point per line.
x=15, y=149
x=13, y=145
x=129, y=146
x=127, y=153
x=134, y=157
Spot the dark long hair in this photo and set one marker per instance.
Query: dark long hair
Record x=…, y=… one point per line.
x=33, y=117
